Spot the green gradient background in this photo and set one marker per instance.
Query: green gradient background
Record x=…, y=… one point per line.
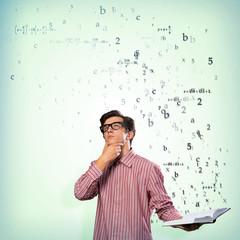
x=40, y=158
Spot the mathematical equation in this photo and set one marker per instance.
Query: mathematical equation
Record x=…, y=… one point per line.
x=34, y=30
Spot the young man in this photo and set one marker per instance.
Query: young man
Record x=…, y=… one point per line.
x=128, y=186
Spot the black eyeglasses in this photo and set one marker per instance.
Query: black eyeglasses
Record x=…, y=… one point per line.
x=114, y=126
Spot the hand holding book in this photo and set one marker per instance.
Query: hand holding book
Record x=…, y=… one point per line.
x=188, y=227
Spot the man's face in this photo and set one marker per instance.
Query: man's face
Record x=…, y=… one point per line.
x=115, y=136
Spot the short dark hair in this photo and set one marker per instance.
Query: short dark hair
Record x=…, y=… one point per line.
x=129, y=122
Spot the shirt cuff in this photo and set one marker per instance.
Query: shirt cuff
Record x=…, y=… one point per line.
x=171, y=215
x=94, y=172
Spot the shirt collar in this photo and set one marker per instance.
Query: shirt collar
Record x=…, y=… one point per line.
x=128, y=158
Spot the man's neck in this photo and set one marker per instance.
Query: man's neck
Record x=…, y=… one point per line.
x=126, y=148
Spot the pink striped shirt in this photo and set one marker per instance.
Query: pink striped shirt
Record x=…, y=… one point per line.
x=128, y=191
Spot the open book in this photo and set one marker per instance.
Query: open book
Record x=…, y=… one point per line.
x=208, y=216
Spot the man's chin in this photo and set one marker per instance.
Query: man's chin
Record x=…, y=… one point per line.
x=112, y=141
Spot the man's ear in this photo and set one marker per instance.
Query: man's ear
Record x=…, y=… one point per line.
x=130, y=135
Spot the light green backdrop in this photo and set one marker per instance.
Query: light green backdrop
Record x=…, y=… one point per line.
x=61, y=69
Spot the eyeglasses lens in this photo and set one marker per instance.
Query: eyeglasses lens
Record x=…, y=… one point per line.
x=114, y=126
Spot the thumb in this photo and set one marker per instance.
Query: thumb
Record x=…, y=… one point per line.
x=105, y=147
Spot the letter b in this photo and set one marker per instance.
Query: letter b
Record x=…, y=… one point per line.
x=102, y=10
x=185, y=37
x=150, y=123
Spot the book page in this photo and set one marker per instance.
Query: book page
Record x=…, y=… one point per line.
x=198, y=217
x=193, y=215
x=220, y=211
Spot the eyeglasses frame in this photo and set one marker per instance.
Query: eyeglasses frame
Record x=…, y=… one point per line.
x=110, y=125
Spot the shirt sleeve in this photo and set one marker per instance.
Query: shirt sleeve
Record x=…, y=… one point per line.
x=86, y=186
x=159, y=198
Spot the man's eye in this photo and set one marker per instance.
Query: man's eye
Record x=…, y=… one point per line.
x=116, y=125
